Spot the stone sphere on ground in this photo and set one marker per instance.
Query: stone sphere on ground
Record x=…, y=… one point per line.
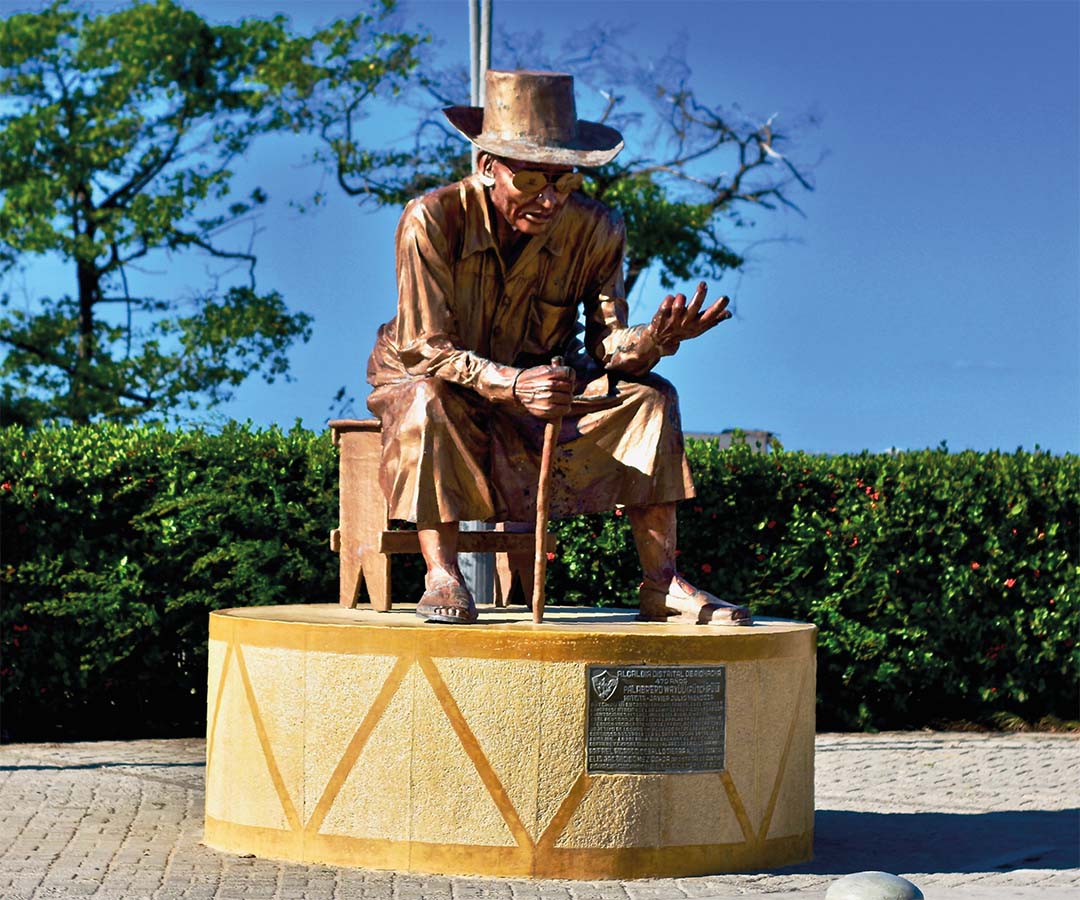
x=873, y=886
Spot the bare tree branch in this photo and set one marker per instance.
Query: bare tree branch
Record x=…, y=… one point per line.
x=191, y=240
x=82, y=373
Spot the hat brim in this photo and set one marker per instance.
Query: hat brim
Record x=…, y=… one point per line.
x=595, y=144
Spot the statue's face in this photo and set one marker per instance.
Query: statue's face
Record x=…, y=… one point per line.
x=529, y=212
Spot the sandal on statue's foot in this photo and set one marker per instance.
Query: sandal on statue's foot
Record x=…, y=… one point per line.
x=447, y=602
x=681, y=602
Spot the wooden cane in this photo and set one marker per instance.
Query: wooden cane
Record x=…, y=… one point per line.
x=543, y=506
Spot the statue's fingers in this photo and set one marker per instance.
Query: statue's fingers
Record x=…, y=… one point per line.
x=663, y=313
x=715, y=314
x=679, y=313
x=553, y=406
x=558, y=386
x=662, y=320
x=698, y=299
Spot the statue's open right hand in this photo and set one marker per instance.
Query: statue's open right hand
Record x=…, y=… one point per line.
x=677, y=321
x=545, y=391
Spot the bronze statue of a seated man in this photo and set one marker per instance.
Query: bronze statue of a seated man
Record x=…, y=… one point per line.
x=493, y=273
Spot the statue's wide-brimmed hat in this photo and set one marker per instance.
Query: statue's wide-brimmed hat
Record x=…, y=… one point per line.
x=531, y=116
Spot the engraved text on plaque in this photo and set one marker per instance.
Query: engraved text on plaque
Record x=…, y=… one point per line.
x=651, y=719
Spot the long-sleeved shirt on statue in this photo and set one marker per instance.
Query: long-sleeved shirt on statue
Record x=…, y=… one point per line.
x=455, y=444
x=464, y=317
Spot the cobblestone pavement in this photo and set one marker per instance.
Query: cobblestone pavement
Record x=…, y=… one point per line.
x=963, y=816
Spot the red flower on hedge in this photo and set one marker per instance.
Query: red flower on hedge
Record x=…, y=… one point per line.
x=974, y=567
x=1010, y=582
x=706, y=568
x=6, y=486
x=550, y=556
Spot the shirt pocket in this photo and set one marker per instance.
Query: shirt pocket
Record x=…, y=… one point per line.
x=551, y=324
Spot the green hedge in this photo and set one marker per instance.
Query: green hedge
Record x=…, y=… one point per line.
x=945, y=586
x=116, y=544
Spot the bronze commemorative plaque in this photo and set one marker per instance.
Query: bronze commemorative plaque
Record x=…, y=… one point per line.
x=655, y=719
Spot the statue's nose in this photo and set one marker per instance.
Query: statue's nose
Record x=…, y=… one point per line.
x=546, y=197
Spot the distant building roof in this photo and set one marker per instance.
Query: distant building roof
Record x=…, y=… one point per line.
x=757, y=439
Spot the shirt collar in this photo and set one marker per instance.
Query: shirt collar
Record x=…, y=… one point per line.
x=479, y=235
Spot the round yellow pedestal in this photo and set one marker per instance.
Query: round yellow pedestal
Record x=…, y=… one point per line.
x=371, y=739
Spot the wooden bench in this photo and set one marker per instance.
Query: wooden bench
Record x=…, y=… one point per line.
x=364, y=540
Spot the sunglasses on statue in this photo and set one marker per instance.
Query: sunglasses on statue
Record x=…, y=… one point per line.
x=530, y=181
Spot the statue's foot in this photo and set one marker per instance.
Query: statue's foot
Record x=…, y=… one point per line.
x=680, y=601
x=447, y=601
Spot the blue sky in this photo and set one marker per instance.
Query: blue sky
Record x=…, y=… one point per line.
x=930, y=292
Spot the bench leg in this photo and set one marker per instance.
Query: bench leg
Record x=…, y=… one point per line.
x=363, y=519
x=507, y=565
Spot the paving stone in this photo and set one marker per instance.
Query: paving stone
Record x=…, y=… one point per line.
x=963, y=816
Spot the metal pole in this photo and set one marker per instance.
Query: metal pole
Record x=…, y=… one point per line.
x=474, y=52
x=479, y=53
x=479, y=568
x=485, y=48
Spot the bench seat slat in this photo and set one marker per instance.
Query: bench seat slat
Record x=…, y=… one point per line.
x=468, y=542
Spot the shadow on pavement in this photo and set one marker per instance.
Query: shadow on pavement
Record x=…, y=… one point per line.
x=846, y=842
x=44, y=767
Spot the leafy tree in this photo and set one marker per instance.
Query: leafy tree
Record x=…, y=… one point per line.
x=119, y=134
x=691, y=170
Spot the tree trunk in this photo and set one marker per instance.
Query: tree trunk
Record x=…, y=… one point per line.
x=88, y=279
x=634, y=268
